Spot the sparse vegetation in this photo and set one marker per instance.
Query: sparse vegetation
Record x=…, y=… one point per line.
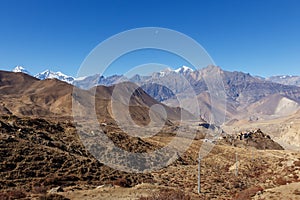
x=13, y=194
x=167, y=195
x=248, y=193
x=39, y=190
x=122, y=182
x=52, y=197
x=48, y=154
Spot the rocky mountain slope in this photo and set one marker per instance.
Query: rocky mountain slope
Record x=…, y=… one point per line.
x=246, y=96
x=253, y=97
x=243, y=92
x=37, y=154
x=25, y=95
x=248, y=99
x=266, y=99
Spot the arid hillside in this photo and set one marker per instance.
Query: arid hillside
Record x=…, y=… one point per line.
x=45, y=158
x=24, y=95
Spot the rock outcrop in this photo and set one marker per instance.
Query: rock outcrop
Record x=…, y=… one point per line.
x=252, y=139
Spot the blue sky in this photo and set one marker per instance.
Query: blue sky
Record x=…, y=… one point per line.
x=261, y=37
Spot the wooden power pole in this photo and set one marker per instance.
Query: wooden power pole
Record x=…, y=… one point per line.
x=199, y=175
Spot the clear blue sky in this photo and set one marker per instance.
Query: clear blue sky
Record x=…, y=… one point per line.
x=261, y=37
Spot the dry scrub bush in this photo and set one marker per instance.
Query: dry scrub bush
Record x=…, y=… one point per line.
x=297, y=163
x=39, y=190
x=281, y=181
x=122, y=182
x=13, y=194
x=248, y=193
x=52, y=197
x=167, y=195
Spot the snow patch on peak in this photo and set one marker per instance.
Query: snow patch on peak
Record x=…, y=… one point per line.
x=20, y=69
x=285, y=76
x=57, y=75
x=81, y=78
x=168, y=69
x=165, y=71
x=183, y=69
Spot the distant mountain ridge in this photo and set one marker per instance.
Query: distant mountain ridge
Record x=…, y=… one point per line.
x=58, y=75
x=249, y=100
x=24, y=95
x=285, y=79
x=97, y=79
x=88, y=82
x=47, y=74
x=246, y=96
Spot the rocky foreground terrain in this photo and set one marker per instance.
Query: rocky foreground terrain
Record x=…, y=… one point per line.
x=43, y=152
x=45, y=159
x=37, y=154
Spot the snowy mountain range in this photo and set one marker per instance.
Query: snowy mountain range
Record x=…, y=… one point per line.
x=244, y=93
x=97, y=79
x=58, y=75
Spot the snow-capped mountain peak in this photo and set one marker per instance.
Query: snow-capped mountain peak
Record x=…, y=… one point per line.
x=285, y=76
x=58, y=75
x=81, y=78
x=165, y=71
x=20, y=69
x=183, y=69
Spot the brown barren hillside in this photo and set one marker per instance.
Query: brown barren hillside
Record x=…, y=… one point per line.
x=24, y=95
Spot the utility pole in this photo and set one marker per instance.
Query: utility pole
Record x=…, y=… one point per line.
x=199, y=175
x=236, y=164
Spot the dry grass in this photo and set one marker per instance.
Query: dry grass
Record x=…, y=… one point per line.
x=52, y=197
x=13, y=194
x=248, y=193
x=167, y=195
